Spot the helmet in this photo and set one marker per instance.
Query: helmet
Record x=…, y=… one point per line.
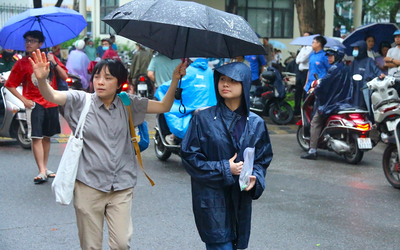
x=397, y=32
x=268, y=76
x=80, y=44
x=337, y=51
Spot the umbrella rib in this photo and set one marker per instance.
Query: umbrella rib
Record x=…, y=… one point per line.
x=59, y=23
x=27, y=21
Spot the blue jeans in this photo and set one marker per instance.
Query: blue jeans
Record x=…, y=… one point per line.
x=220, y=246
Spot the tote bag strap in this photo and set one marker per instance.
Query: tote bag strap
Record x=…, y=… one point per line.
x=136, y=144
x=82, y=118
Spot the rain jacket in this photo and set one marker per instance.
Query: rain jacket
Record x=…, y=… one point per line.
x=335, y=90
x=222, y=212
x=198, y=92
x=77, y=64
x=366, y=67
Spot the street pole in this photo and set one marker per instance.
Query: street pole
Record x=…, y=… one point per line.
x=357, y=13
x=82, y=10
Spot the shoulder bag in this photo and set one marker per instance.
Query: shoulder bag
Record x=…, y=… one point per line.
x=64, y=182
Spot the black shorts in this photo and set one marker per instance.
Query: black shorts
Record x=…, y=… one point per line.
x=44, y=122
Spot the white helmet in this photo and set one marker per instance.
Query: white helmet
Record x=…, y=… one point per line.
x=80, y=44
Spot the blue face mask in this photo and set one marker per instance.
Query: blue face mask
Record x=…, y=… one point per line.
x=355, y=53
x=105, y=48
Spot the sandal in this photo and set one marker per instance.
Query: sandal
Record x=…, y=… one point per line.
x=50, y=174
x=41, y=178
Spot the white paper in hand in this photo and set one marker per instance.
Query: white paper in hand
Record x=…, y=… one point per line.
x=247, y=170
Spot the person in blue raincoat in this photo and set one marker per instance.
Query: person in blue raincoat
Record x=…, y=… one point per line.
x=198, y=92
x=334, y=92
x=367, y=68
x=212, y=153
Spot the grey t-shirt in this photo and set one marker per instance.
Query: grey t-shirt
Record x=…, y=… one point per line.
x=108, y=159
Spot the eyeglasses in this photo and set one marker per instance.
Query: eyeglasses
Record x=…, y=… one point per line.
x=31, y=41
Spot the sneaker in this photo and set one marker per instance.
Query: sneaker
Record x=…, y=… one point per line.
x=170, y=140
x=310, y=156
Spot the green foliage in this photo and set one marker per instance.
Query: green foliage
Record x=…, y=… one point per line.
x=378, y=9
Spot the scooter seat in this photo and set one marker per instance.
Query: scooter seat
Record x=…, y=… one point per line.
x=352, y=110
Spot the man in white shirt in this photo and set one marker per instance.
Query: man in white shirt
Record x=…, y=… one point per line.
x=392, y=59
x=301, y=77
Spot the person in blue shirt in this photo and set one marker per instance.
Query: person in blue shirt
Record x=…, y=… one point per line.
x=318, y=61
x=257, y=63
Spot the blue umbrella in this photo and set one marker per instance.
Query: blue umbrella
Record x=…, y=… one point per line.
x=307, y=40
x=382, y=32
x=57, y=25
x=277, y=44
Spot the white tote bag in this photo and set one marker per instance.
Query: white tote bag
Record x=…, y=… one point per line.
x=64, y=182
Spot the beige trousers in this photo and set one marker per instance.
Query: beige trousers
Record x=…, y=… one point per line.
x=92, y=206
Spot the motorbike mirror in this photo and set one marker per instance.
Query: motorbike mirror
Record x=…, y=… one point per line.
x=357, y=77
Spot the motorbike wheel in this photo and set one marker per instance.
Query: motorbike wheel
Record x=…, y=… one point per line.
x=304, y=144
x=356, y=154
x=162, y=152
x=282, y=114
x=390, y=165
x=22, y=138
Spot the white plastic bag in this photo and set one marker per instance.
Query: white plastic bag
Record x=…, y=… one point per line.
x=247, y=170
x=64, y=182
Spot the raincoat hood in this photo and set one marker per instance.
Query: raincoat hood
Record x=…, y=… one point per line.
x=201, y=63
x=239, y=72
x=362, y=49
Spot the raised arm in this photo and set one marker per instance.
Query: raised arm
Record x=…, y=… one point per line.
x=156, y=107
x=41, y=69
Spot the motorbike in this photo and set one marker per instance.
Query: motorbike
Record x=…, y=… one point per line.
x=162, y=149
x=390, y=160
x=74, y=82
x=385, y=104
x=13, y=116
x=269, y=98
x=345, y=132
x=144, y=86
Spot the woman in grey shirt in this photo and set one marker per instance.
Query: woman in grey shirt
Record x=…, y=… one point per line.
x=108, y=166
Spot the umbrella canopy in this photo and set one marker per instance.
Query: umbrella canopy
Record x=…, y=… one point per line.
x=181, y=29
x=382, y=32
x=307, y=40
x=57, y=25
x=277, y=44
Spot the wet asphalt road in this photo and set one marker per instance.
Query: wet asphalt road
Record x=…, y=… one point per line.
x=323, y=204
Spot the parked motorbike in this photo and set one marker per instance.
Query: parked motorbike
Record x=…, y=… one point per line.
x=162, y=149
x=74, y=82
x=345, y=132
x=385, y=104
x=390, y=160
x=13, y=116
x=269, y=98
x=144, y=86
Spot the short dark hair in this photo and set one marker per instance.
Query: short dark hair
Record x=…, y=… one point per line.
x=338, y=26
x=35, y=34
x=383, y=45
x=368, y=36
x=309, y=33
x=266, y=38
x=116, y=69
x=321, y=40
x=112, y=36
x=107, y=40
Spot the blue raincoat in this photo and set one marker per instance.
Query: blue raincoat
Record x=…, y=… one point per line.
x=366, y=67
x=335, y=91
x=222, y=212
x=198, y=92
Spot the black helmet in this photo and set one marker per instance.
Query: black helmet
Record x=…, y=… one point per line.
x=337, y=51
x=268, y=76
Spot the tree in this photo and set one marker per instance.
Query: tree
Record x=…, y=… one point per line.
x=311, y=16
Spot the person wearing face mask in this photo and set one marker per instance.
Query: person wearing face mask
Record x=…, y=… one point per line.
x=7, y=60
x=367, y=68
x=392, y=59
x=109, y=51
x=90, y=50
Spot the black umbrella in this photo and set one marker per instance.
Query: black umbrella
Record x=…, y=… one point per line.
x=180, y=29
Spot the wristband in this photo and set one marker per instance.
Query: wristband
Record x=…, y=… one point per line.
x=55, y=65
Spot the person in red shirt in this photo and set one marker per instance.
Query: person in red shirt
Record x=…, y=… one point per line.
x=110, y=52
x=42, y=116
